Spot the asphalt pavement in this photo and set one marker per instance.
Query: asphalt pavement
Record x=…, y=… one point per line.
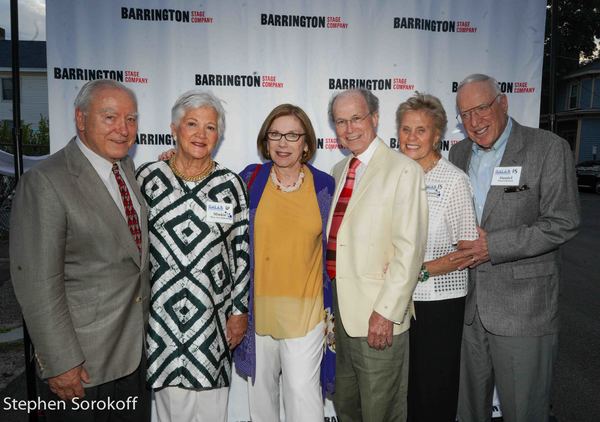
x=576, y=387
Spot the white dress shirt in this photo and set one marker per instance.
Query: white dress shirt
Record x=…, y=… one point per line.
x=364, y=159
x=104, y=169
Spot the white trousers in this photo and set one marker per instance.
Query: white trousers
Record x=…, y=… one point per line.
x=174, y=404
x=298, y=360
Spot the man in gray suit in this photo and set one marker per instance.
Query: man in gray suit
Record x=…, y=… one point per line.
x=527, y=207
x=79, y=263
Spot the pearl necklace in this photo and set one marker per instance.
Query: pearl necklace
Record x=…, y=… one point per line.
x=195, y=178
x=286, y=189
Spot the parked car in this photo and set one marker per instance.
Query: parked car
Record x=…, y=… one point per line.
x=588, y=175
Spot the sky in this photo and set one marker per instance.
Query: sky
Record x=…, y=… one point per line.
x=32, y=19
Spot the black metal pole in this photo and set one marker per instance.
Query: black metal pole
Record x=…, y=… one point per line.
x=18, y=160
x=16, y=83
x=553, y=55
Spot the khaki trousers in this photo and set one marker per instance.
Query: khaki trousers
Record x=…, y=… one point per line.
x=370, y=385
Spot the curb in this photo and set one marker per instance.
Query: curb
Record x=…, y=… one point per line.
x=11, y=336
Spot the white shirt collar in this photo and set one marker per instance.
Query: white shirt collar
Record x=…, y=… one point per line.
x=367, y=154
x=102, y=166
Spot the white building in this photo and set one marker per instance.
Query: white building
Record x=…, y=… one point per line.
x=34, y=83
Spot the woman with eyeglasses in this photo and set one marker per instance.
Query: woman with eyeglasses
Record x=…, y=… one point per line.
x=290, y=311
x=439, y=298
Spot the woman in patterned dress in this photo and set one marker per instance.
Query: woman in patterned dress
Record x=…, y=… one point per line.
x=435, y=335
x=290, y=321
x=198, y=223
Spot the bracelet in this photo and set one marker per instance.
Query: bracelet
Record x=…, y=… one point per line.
x=423, y=274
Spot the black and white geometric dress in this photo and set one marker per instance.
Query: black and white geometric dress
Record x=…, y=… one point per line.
x=199, y=275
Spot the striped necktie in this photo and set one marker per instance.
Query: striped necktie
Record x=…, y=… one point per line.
x=338, y=215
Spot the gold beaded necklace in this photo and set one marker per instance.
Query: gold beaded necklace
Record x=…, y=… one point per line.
x=195, y=178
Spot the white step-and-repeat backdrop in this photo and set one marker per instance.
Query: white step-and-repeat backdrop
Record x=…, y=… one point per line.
x=257, y=54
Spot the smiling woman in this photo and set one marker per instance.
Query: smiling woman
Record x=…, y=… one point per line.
x=290, y=291
x=198, y=223
x=196, y=136
x=435, y=336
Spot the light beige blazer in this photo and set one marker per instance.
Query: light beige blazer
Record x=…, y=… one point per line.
x=381, y=241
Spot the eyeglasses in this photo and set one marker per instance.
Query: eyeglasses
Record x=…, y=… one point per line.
x=340, y=123
x=482, y=110
x=290, y=137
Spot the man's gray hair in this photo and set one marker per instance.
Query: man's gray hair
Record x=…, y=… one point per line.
x=480, y=77
x=196, y=98
x=88, y=91
x=370, y=98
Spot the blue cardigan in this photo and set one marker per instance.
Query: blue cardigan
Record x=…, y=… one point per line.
x=245, y=354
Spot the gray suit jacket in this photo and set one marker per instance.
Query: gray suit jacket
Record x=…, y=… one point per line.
x=77, y=273
x=516, y=292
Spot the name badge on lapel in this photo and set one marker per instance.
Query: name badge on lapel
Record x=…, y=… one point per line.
x=219, y=212
x=434, y=191
x=506, y=176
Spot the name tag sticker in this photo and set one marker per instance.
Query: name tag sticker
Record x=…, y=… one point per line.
x=219, y=212
x=506, y=176
x=434, y=191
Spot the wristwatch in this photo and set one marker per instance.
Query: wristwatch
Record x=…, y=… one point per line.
x=424, y=274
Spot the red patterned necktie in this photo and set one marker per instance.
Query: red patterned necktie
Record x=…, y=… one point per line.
x=338, y=215
x=132, y=219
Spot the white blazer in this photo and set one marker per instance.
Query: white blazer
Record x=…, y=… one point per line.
x=381, y=241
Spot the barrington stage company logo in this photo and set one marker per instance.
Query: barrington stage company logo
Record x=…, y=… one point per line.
x=251, y=81
x=508, y=87
x=433, y=25
x=300, y=21
x=155, y=139
x=400, y=83
x=445, y=144
x=81, y=74
x=328, y=144
x=167, y=15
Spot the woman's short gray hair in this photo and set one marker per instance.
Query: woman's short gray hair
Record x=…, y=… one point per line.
x=196, y=98
x=430, y=105
x=89, y=89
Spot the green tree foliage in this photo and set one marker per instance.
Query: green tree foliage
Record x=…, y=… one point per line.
x=578, y=25
x=5, y=132
x=35, y=142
